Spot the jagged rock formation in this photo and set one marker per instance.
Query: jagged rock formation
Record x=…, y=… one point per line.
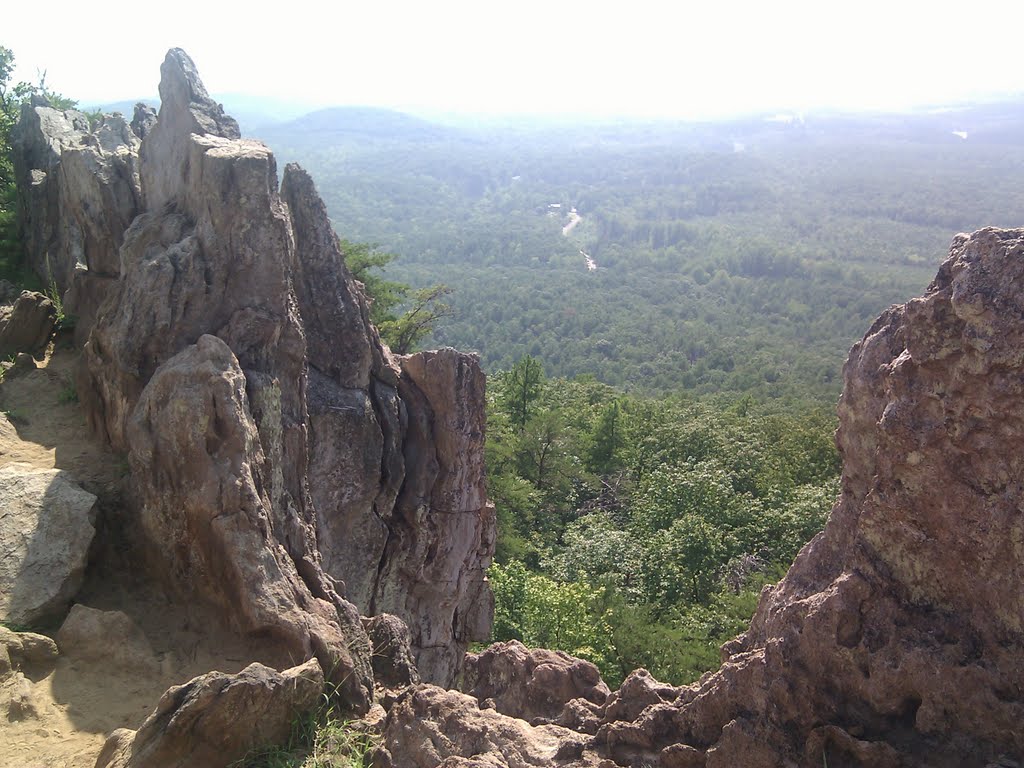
x=286, y=468
x=46, y=526
x=897, y=636
x=533, y=685
x=78, y=190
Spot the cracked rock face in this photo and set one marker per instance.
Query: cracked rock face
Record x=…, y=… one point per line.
x=287, y=469
x=897, y=636
x=78, y=190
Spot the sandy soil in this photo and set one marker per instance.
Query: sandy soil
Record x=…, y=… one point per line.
x=74, y=705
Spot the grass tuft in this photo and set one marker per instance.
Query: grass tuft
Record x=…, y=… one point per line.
x=319, y=739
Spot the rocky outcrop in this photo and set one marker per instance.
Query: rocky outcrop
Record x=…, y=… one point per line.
x=199, y=464
x=896, y=637
x=46, y=526
x=216, y=719
x=78, y=190
x=531, y=684
x=26, y=325
x=430, y=727
x=286, y=468
x=393, y=664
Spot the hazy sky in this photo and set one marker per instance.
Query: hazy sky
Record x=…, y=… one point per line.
x=555, y=56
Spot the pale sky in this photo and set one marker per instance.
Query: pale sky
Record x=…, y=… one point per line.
x=641, y=58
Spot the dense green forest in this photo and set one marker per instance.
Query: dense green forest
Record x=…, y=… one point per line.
x=741, y=257
x=637, y=532
x=691, y=290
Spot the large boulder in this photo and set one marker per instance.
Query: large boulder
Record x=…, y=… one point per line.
x=216, y=719
x=26, y=325
x=46, y=526
x=531, y=683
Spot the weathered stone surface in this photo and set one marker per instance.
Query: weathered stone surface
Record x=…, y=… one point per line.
x=215, y=719
x=46, y=527
x=393, y=664
x=429, y=727
x=79, y=189
x=25, y=649
x=38, y=141
x=27, y=325
x=106, y=639
x=531, y=684
x=198, y=463
x=186, y=110
x=143, y=119
x=368, y=496
x=442, y=529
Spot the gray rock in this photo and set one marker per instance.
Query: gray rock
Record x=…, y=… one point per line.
x=28, y=326
x=46, y=527
x=78, y=189
x=143, y=120
x=393, y=665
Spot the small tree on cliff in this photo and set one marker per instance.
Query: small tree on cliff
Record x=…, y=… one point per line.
x=425, y=307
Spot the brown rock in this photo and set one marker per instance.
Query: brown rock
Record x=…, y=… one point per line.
x=531, y=684
x=107, y=639
x=429, y=727
x=27, y=326
x=215, y=719
x=196, y=460
x=442, y=529
x=25, y=650
x=331, y=435
x=393, y=664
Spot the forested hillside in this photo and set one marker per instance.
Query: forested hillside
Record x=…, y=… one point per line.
x=739, y=257
x=664, y=311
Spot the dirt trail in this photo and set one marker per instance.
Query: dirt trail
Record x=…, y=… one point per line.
x=76, y=704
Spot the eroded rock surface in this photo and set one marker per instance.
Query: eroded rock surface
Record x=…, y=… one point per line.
x=78, y=190
x=531, y=684
x=107, y=640
x=46, y=526
x=26, y=325
x=287, y=469
x=430, y=727
x=215, y=719
x=897, y=635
